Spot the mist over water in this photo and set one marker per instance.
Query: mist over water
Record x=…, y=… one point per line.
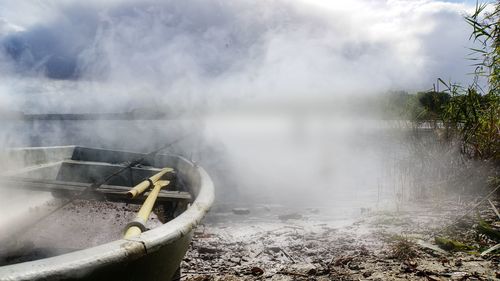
x=321, y=161
x=299, y=161
x=205, y=60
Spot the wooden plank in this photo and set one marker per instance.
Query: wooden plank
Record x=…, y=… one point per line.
x=92, y=163
x=105, y=192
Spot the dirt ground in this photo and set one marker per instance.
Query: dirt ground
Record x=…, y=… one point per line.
x=275, y=243
x=79, y=225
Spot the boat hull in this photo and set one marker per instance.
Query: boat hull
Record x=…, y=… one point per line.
x=154, y=255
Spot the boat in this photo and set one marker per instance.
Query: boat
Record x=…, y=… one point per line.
x=77, y=172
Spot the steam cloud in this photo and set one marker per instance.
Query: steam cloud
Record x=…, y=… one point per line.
x=208, y=55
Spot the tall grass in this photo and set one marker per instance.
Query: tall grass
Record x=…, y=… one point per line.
x=474, y=112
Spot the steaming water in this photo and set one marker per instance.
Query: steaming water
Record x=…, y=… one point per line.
x=301, y=161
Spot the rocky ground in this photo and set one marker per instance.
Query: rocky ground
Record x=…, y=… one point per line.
x=273, y=243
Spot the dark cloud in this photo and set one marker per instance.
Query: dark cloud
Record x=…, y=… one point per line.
x=195, y=50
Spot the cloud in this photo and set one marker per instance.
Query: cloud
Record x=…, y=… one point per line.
x=196, y=51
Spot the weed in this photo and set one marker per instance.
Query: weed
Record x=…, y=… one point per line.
x=403, y=249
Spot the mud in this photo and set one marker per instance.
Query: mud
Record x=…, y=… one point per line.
x=79, y=225
x=273, y=243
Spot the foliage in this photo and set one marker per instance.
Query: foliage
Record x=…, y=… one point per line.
x=420, y=107
x=433, y=103
x=476, y=120
x=486, y=32
x=484, y=228
x=472, y=112
x=451, y=245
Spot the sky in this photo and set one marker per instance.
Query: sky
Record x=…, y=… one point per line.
x=66, y=56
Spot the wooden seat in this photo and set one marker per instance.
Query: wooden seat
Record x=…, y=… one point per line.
x=113, y=193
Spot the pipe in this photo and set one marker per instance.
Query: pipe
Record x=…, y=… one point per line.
x=145, y=184
x=137, y=226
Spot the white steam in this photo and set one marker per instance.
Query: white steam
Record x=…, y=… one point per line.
x=210, y=56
